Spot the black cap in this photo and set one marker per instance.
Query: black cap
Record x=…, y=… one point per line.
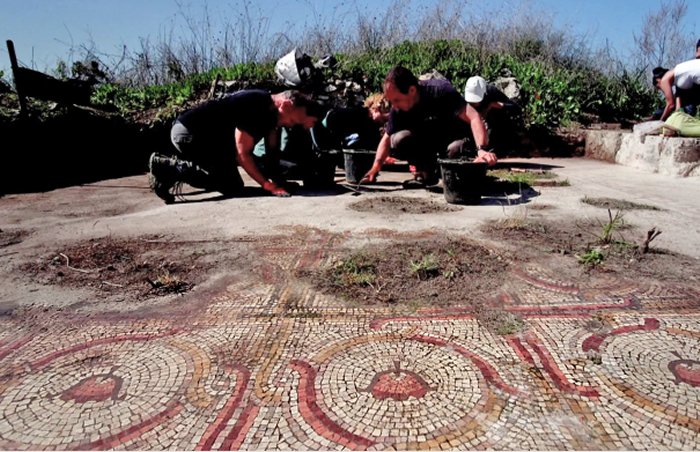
x=698, y=44
x=658, y=72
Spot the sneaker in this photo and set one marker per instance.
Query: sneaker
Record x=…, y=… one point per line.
x=421, y=179
x=163, y=176
x=413, y=184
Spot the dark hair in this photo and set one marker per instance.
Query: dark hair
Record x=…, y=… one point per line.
x=697, y=46
x=657, y=74
x=401, y=78
x=302, y=100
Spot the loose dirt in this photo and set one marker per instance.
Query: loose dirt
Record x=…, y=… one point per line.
x=395, y=204
x=572, y=240
x=434, y=272
x=128, y=269
x=618, y=204
x=401, y=271
x=8, y=238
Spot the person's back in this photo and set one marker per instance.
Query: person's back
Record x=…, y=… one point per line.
x=687, y=75
x=250, y=110
x=438, y=101
x=213, y=139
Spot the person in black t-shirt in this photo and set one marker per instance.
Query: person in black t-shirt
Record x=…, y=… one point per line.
x=428, y=119
x=212, y=139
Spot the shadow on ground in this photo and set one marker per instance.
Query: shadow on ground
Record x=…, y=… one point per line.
x=74, y=148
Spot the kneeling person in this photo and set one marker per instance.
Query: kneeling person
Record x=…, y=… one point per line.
x=428, y=119
x=212, y=139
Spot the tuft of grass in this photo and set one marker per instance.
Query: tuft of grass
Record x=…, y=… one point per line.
x=510, y=325
x=514, y=223
x=530, y=178
x=614, y=224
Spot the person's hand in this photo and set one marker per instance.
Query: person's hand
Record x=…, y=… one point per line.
x=275, y=190
x=486, y=156
x=370, y=177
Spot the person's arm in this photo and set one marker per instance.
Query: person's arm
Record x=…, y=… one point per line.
x=244, y=154
x=665, y=84
x=383, y=151
x=494, y=106
x=481, y=138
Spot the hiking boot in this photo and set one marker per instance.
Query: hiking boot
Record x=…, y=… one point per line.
x=163, y=176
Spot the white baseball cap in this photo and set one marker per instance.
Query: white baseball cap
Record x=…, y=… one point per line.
x=475, y=89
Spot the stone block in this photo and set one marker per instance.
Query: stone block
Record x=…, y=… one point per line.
x=603, y=144
x=673, y=156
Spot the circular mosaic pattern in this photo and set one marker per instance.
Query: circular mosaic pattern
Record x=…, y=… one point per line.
x=93, y=392
x=413, y=388
x=659, y=365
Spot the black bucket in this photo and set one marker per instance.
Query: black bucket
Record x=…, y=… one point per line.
x=462, y=180
x=322, y=174
x=357, y=163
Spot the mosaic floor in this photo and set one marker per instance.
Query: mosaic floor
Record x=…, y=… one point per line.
x=271, y=364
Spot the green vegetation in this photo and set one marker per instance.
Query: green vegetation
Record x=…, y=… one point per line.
x=552, y=93
x=426, y=267
x=591, y=258
x=522, y=177
x=126, y=99
x=509, y=324
x=355, y=270
x=605, y=240
x=614, y=224
x=562, y=79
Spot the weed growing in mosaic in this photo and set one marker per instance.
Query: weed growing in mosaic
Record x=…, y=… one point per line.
x=509, y=324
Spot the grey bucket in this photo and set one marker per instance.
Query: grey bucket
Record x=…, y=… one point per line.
x=357, y=163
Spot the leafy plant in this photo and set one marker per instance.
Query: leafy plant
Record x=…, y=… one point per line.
x=614, y=224
x=425, y=268
x=591, y=258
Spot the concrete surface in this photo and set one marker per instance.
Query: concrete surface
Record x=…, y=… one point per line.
x=261, y=362
x=125, y=207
